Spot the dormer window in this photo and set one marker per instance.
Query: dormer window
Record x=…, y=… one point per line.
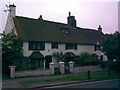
x=64, y=30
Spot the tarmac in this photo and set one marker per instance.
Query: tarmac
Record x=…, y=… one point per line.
x=18, y=82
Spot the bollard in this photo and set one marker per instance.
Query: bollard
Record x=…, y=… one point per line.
x=89, y=75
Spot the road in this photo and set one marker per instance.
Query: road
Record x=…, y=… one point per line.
x=94, y=84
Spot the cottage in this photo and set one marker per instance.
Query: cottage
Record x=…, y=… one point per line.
x=43, y=40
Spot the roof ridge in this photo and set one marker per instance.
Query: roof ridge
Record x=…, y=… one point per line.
x=88, y=29
x=56, y=22
x=59, y=23
x=26, y=17
x=43, y=20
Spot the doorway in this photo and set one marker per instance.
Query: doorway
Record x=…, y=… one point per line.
x=48, y=59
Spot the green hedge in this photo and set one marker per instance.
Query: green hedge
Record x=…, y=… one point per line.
x=86, y=59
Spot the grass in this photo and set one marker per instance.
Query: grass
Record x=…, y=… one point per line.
x=65, y=78
x=98, y=75
x=104, y=75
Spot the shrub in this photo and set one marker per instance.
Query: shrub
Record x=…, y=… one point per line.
x=87, y=59
x=22, y=65
x=57, y=71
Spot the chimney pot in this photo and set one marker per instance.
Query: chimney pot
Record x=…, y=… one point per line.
x=100, y=28
x=69, y=13
x=40, y=17
x=71, y=20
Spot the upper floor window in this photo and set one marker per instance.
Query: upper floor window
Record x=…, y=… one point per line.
x=64, y=30
x=36, y=45
x=97, y=47
x=70, y=46
x=54, y=45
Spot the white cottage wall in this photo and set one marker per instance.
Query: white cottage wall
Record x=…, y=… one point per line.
x=26, y=51
x=9, y=25
x=61, y=48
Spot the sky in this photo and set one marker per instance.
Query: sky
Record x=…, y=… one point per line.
x=88, y=13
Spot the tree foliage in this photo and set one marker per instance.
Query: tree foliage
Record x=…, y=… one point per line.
x=12, y=52
x=111, y=46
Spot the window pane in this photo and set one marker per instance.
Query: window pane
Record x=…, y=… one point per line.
x=39, y=46
x=34, y=45
x=54, y=45
x=70, y=46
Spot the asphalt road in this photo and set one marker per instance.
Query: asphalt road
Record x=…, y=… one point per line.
x=115, y=83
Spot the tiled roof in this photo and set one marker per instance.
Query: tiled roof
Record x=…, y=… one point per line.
x=42, y=30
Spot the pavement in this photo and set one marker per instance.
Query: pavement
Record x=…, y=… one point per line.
x=18, y=82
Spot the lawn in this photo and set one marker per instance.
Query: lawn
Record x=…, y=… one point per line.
x=78, y=77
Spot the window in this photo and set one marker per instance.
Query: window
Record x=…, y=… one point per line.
x=64, y=30
x=54, y=45
x=36, y=45
x=70, y=46
x=97, y=47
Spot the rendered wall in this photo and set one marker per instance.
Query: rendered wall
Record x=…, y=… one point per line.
x=61, y=48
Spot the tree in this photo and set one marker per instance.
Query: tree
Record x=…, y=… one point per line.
x=111, y=46
x=12, y=52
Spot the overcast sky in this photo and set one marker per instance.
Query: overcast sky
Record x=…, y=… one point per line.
x=88, y=13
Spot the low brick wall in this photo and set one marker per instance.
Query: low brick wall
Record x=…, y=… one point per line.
x=82, y=69
x=32, y=73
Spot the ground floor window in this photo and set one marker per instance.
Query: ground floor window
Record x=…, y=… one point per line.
x=36, y=63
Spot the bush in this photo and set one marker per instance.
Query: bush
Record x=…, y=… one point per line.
x=57, y=71
x=86, y=59
x=114, y=65
x=103, y=64
x=22, y=65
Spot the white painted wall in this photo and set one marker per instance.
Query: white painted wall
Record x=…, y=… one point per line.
x=26, y=51
x=9, y=25
x=61, y=48
x=13, y=11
